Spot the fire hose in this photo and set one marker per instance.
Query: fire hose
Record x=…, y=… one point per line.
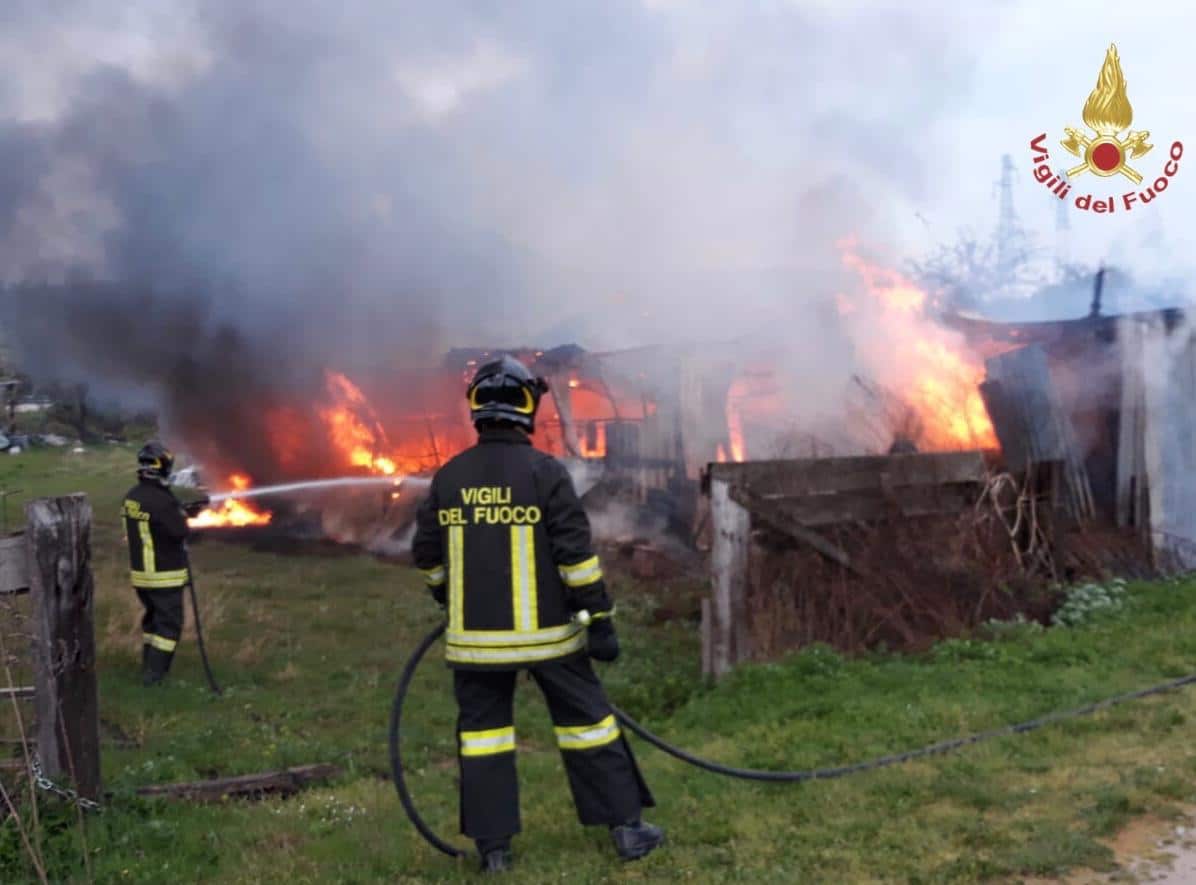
x=408, y=673
x=203, y=654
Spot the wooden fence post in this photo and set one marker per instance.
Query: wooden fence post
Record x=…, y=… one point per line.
x=726, y=635
x=58, y=550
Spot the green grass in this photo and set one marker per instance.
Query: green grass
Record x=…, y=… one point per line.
x=309, y=649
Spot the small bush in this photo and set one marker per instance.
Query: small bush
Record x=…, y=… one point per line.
x=1014, y=628
x=1090, y=602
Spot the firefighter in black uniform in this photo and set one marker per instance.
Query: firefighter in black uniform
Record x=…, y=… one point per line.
x=504, y=546
x=156, y=529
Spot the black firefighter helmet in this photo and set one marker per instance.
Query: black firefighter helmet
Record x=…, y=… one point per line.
x=504, y=390
x=155, y=461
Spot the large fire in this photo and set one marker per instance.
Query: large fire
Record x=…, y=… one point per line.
x=354, y=427
x=922, y=373
x=341, y=433
x=231, y=511
x=926, y=364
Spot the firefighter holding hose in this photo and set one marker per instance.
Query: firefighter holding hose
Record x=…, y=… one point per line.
x=505, y=548
x=156, y=529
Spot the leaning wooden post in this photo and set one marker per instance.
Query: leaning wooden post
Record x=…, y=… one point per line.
x=58, y=549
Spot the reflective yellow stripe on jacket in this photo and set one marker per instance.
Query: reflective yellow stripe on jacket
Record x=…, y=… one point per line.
x=523, y=578
x=582, y=574
x=527, y=641
x=518, y=654
x=149, y=578
x=456, y=578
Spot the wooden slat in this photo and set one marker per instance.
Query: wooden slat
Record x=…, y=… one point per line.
x=14, y=566
x=17, y=691
x=777, y=517
x=807, y=476
x=822, y=510
x=286, y=781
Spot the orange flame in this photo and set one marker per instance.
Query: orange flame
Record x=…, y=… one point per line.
x=734, y=427
x=897, y=293
x=354, y=428
x=592, y=442
x=925, y=362
x=232, y=512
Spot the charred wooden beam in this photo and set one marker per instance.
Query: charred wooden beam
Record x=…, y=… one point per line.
x=285, y=782
x=812, y=476
x=813, y=511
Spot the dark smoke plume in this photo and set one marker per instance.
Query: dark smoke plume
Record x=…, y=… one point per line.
x=267, y=188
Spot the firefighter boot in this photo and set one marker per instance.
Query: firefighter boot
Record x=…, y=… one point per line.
x=636, y=839
x=496, y=855
x=155, y=664
x=148, y=677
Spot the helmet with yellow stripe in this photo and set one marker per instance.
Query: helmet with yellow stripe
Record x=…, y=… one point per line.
x=505, y=391
x=155, y=461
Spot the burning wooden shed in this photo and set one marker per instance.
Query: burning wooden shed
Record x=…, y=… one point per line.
x=1093, y=473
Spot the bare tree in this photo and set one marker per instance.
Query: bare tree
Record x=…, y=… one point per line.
x=964, y=273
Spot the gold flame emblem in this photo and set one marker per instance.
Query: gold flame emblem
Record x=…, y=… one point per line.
x=1107, y=113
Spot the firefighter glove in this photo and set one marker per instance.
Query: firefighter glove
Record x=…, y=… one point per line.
x=603, y=643
x=440, y=595
x=194, y=508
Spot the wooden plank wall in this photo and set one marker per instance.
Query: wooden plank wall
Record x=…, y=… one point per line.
x=798, y=496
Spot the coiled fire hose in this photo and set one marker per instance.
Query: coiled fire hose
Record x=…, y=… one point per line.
x=408, y=673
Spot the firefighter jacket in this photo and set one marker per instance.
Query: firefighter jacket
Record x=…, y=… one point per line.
x=504, y=544
x=156, y=528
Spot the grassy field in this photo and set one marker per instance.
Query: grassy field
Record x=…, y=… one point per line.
x=309, y=649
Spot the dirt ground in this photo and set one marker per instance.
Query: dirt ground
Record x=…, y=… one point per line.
x=1150, y=850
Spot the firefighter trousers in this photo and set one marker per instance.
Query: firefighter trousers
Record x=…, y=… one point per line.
x=604, y=778
x=161, y=627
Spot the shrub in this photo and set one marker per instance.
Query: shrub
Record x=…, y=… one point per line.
x=1090, y=602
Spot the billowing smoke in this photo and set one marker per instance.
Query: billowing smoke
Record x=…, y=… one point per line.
x=215, y=199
